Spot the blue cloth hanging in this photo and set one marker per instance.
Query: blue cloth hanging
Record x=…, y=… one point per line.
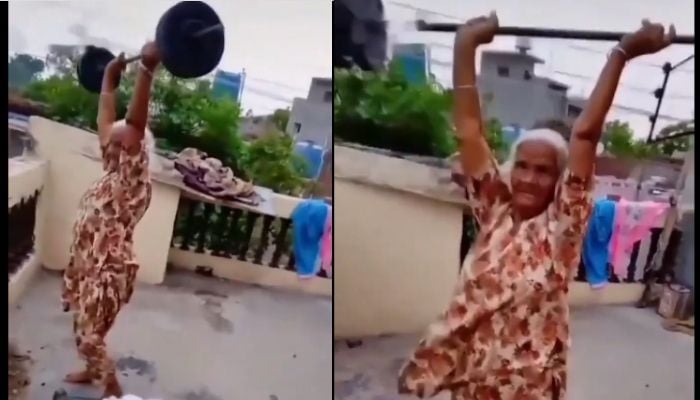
x=308, y=224
x=596, y=244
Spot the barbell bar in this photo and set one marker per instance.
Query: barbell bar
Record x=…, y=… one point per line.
x=424, y=26
x=189, y=36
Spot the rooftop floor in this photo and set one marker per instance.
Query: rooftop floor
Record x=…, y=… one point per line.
x=618, y=353
x=192, y=338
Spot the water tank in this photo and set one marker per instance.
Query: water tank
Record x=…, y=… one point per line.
x=523, y=44
x=313, y=154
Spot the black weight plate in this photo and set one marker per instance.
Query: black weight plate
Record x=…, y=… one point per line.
x=183, y=54
x=91, y=67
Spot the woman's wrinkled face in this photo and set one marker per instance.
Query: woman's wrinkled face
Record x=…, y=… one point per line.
x=534, y=177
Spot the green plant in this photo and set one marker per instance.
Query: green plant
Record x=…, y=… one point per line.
x=494, y=136
x=671, y=146
x=22, y=69
x=280, y=118
x=619, y=141
x=183, y=114
x=271, y=162
x=385, y=110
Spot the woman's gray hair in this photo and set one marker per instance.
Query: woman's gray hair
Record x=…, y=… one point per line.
x=548, y=136
x=149, y=139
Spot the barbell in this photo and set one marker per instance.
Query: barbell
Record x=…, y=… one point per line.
x=190, y=39
x=424, y=26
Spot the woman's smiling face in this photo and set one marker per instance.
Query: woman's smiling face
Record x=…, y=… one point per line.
x=534, y=177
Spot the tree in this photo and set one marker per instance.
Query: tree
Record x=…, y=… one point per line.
x=494, y=136
x=184, y=113
x=23, y=69
x=671, y=146
x=280, y=118
x=619, y=141
x=272, y=163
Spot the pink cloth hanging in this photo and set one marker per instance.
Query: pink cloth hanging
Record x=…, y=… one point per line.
x=327, y=244
x=633, y=221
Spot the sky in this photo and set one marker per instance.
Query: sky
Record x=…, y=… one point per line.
x=281, y=44
x=572, y=62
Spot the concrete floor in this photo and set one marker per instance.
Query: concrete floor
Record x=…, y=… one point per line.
x=192, y=338
x=619, y=353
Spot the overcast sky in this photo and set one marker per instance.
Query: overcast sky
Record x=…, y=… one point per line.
x=568, y=61
x=281, y=44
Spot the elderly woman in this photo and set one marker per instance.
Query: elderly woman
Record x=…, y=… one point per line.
x=99, y=278
x=505, y=334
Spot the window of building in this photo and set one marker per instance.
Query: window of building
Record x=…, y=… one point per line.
x=573, y=111
x=328, y=97
x=527, y=75
x=557, y=87
x=503, y=71
x=297, y=127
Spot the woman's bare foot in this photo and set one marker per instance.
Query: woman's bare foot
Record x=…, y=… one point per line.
x=112, y=388
x=82, y=377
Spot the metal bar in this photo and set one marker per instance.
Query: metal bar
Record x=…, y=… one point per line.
x=667, y=73
x=680, y=134
x=132, y=59
x=209, y=29
x=422, y=25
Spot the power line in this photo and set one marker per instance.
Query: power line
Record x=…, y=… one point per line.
x=425, y=10
x=637, y=62
x=626, y=86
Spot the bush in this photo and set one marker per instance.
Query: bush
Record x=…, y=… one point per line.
x=272, y=163
x=385, y=110
x=183, y=114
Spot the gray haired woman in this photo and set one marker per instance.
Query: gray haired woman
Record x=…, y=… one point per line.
x=505, y=334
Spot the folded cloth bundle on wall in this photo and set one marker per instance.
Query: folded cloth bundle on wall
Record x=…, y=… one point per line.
x=309, y=222
x=207, y=175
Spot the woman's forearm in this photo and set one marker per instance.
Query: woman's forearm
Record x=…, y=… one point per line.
x=137, y=113
x=467, y=106
x=589, y=125
x=106, y=108
x=106, y=115
x=474, y=149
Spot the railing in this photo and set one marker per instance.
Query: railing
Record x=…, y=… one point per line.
x=638, y=268
x=21, y=221
x=234, y=233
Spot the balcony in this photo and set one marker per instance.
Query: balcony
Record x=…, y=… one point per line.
x=396, y=264
x=218, y=312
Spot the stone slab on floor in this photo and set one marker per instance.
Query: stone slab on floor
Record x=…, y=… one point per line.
x=192, y=338
x=618, y=353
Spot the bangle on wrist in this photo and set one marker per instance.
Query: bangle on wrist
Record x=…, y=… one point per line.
x=144, y=68
x=620, y=50
x=466, y=86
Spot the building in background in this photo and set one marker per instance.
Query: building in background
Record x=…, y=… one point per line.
x=414, y=58
x=512, y=93
x=359, y=34
x=311, y=125
x=311, y=119
x=229, y=85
